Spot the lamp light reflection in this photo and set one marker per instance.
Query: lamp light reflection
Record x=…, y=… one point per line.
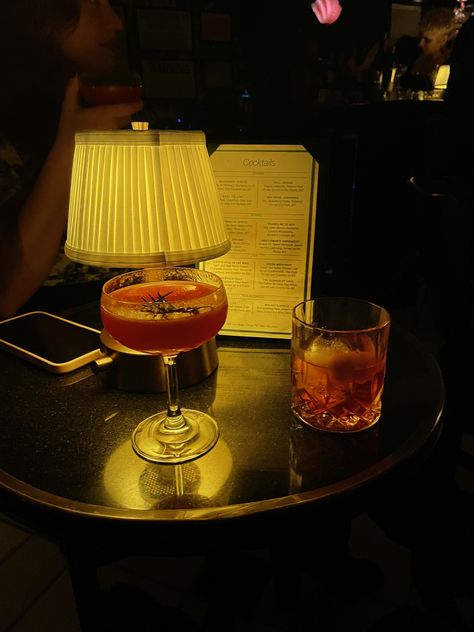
x=133, y=483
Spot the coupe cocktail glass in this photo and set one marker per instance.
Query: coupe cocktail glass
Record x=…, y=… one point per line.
x=165, y=311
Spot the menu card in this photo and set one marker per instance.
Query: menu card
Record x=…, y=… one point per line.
x=268, y=195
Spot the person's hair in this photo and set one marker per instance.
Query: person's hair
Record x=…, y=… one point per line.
x=440, y=18
x=33, y=70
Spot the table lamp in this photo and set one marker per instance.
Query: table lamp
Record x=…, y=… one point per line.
x=145, y=198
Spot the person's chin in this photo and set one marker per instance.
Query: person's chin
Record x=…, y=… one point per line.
x=104, y=61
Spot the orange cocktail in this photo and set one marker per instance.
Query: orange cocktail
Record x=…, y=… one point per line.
x=110, y=94
x=165, y=311
x=164, y=317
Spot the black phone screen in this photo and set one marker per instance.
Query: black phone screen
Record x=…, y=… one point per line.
x=53, y=338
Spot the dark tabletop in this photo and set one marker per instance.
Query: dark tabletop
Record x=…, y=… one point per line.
x=65, y=440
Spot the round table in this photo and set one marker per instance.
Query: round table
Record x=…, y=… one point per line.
x=68, y=469
x=65, y=439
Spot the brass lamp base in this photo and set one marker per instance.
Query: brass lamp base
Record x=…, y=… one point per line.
x=130, y=370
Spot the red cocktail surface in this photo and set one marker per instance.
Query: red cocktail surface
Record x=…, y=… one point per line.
x=110, y=94
x=342, y=394
x=190, y=315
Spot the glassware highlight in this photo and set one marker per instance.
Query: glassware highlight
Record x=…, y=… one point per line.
x=117, y=86
x=165, y=311
x=338, y=358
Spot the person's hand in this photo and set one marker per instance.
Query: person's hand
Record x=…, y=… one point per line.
x=424, y=64
x=75, y=118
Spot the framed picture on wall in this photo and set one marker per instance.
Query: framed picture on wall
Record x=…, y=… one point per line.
x=405, y=20
x=215, y=27
x=168, y=79
x=164, y=29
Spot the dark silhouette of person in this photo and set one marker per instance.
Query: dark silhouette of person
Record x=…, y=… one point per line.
x=43, y=47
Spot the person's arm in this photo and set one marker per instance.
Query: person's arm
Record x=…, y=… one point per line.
x=36, y=237
x=459, y=95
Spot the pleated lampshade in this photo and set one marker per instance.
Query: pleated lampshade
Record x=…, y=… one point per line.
x=143, y=198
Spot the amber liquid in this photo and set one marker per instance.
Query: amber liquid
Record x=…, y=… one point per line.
x=110, y=94
x=343, y=396
x=137, y=328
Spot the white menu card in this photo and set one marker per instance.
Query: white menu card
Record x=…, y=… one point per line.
x=268, y=195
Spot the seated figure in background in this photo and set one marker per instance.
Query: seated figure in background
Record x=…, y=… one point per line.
x=423, y=56
x=44, y=46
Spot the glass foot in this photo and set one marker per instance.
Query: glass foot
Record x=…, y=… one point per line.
x=153, y=442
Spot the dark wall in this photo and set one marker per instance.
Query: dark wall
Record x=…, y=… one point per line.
x=288, y=55
x=271, y=42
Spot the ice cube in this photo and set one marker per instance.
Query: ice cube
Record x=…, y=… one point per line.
x=321, y=350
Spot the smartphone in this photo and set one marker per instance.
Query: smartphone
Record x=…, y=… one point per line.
x=54, y=343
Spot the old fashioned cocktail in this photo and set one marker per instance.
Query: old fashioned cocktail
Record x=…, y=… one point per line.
x=339, y=348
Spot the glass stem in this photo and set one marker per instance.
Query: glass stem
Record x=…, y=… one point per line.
x=174, y=419
x=179, y=480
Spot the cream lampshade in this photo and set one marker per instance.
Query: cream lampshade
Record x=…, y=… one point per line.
x=143, y=198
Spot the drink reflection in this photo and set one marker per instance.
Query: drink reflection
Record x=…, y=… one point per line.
x=319, y=458
x=132, y=483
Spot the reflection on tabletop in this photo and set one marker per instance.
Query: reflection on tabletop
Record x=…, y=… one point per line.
x=313, y=454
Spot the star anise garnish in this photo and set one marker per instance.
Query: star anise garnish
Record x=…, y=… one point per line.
x=159, y=307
